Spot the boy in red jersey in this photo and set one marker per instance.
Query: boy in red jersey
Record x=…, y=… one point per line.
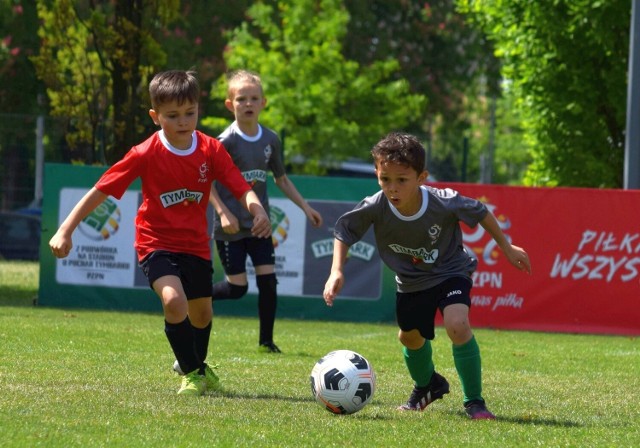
x=177, y=166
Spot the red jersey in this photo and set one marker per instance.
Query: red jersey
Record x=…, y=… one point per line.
x=175, y=191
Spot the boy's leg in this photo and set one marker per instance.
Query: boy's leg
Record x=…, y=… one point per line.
x=200, y=315
x=466, y=353
x=467, y=359
x=262, y=255
x=267, y=306
x=429, y=385
x=419, y=362
x=233, y=256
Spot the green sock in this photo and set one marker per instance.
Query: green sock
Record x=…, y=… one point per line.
x=420, y=364
x=466, y=357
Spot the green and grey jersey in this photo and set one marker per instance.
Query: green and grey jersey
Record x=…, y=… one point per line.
x=424, y=249
x=255, y=156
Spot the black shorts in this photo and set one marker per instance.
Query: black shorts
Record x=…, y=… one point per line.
x=233, y=254
x=195, y=273
x=417, y=310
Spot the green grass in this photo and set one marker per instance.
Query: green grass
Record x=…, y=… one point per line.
x=77, y=378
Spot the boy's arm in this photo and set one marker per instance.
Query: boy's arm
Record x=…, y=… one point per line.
x=290, y=190
x=261, y=224
x=61, y=243
x=516, y=255
x=336, y=278
x=228, y=220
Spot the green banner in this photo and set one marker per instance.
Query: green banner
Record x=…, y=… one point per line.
x=102, y=272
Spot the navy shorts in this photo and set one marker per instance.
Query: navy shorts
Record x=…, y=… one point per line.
x=195, y=273
x=233, y=254
x=417, y=310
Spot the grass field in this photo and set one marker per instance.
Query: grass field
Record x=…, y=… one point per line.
x=71, y=378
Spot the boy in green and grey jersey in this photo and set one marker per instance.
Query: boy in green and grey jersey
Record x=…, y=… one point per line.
x=418, y=235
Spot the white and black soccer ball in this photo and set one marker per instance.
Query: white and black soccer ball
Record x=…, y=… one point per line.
x=343, y=382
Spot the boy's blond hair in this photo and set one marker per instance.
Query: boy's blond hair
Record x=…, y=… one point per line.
x=237, y=77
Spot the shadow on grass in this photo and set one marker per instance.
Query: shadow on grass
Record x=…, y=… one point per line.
x=13, y=296
x=530, y=420
x=228, y=394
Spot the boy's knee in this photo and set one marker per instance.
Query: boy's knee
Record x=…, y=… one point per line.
x=226, y=290
x=237, y=291
x=411, y=339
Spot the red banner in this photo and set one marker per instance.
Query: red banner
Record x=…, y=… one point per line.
x=584, y=246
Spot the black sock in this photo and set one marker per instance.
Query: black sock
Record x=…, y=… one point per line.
x=267, y=304
x=201, y=339
x=182, y=341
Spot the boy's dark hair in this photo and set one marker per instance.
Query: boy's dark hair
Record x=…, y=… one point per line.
x=174, y=85
x=400, y=148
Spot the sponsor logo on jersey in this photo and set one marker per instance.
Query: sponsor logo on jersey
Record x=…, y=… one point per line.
x=455, y=292
x=254, y=176
x=180, y=196
x=421, y=254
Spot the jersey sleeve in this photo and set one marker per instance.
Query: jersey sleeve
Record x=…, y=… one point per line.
x=351, y=227
x=468, y=210
x=276, y=163
x=115, y=181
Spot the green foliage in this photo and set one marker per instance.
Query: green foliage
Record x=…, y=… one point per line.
x=78, y=82
x=443, y=58
x=19, y=93
x=96, y=58
x=567, y=62
x=328, y=107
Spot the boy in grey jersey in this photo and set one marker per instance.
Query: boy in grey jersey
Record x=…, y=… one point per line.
x=418, y=236
x=256, y=150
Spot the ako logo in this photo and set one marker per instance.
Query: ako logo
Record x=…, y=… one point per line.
x=103, y=222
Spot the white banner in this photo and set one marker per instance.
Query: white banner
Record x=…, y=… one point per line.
x=103, y=253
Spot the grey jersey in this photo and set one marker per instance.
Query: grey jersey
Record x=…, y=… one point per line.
x=424, y=249
x=254, y=156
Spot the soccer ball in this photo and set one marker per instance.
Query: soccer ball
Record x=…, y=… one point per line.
x=343, y=382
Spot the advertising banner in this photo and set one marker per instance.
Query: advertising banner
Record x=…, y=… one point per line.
x=584, y=246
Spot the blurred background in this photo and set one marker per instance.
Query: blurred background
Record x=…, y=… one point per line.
x=508, y=92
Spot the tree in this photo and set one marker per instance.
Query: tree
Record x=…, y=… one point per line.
x=96, y=58
x=18, y=102
x=441, y=57
x=329, y=107
x=566, y=62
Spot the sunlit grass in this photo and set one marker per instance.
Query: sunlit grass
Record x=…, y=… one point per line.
x=77, y=378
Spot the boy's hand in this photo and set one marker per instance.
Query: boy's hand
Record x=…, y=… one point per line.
x=60, y=244
x=314, y=217
x=519, y=258
x=229, y=223
x=333, y=286
x=261, y=226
